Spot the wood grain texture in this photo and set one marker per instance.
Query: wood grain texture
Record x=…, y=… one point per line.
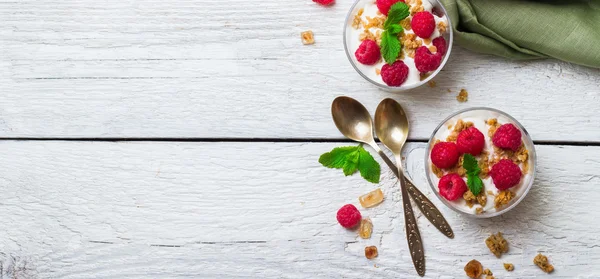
x=237, y=69
x=232, y=210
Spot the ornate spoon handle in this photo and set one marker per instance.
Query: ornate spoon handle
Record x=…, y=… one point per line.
x=415, y=244
x=431, y=212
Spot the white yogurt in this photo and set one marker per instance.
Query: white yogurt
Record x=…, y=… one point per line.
x=479, y=118
x=353, y=42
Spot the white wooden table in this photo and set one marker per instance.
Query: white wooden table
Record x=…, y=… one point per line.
x=162, y=139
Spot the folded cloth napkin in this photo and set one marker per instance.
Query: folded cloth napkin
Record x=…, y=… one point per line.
x=528, y=29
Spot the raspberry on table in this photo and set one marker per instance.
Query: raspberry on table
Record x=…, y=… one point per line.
x=423, y=24
x=507, y=136
x=440, y=45
x=471, y=141
x=324, y=2
x=425, y=61
x=395, y=74
x=385, y=5
x=444, y=155
x=452, y=186
x=368, y=52
x=348, y=216
x=505, y=174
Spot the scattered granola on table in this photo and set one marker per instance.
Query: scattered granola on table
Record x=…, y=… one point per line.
x=431, y=83
x=542, y=262
x=370, y=252
x=473, y=269
x=462, y=96
x=487, y=271
x=509, y=266
x=308, y=37
x=497, y=244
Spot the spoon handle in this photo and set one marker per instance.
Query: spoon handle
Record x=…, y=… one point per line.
x=431, y=212
x=415, y=244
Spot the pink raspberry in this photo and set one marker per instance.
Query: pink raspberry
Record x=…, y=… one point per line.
x=385, y=5
x=348, y=216
x=440, y=45
x=423, y=24
x=425, y=61
x=452, y=186
x=470, y=141
x=324, y=2
x=505, y=174
x=507, y=136
x=444, y=155
x=368, y=52
x=395, y=74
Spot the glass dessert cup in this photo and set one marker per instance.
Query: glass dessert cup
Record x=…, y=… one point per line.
x=351, y=43
x=520, y=190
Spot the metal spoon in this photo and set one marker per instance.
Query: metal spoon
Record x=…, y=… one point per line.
x=354, y=121
x=391, y=126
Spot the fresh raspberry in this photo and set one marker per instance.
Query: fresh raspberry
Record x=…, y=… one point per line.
x=348, y=216
x=423, y=24
x=395, y=74
x=324, y=2
x=440, y=45
x=385, y=5
x=444, y=155
x=507, y=136
x=452, y=186
x=368, y=52
x=470, y=141
x=425, y=61
x=505, y=174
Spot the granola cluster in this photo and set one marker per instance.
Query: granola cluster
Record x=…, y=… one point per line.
x=498, y=246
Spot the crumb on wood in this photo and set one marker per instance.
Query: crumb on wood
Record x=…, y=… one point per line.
x=542, y=262
x=462, y=96
x=431, y=83
x=497, y=244
x=308, y=38
x=487, y=271
x=509, y=266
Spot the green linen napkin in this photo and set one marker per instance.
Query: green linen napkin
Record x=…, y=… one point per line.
x=527, y=29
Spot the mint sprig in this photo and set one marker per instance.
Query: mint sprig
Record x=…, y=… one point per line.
x=474, y=183
x=351, y=159
x=390, y=44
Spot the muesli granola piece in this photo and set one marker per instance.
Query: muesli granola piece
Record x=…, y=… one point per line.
x=542, y=262
x=503, y=198
x=462, y=96
x=497, y=244
x=442, y=27
x=509, y=266
x=487, y=271
x=357, y=21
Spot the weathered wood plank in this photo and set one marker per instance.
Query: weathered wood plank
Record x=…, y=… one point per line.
x=188, y=68
x=263, y=210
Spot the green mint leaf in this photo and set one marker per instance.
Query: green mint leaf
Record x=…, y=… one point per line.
x=351, y=159
x=337, y=157
x=390, y=46
x=368, y=167
x=395, y=29
x=470, y=164
x=397, y=12
x=474, y=183
x=351, y=165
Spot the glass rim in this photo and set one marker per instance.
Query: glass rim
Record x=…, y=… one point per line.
x=395, y=88
x=532, y=155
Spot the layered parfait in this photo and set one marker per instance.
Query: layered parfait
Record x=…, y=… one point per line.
x=481, y=161
x=395, y=42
